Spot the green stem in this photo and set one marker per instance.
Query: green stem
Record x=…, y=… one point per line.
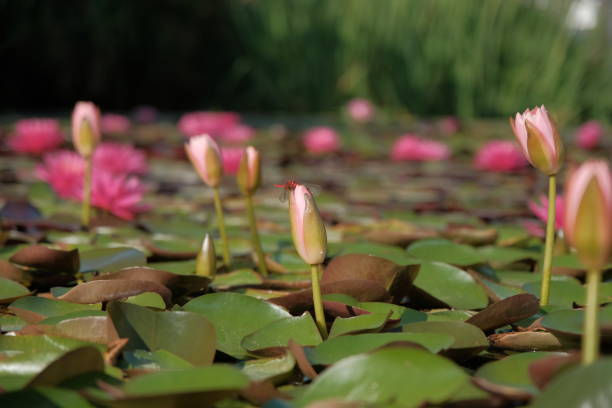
x=86, y=206
x=221, y=225
x=550, y=241
x=590, y=335
x=261, y=259
x=316, y=300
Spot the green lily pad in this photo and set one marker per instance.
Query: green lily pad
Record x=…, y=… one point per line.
x=337, y=348
x=468, y=338
x=451, y=286
x=106, y=260
x=405, y=314
x=10, y=290
x=448, y=316
x=234, y=317
x=563, y=294
x=188, y=335
x=272, y=369
x=389, y=252
x=154, y=360
x=277, y=334
x=50, y=307
x=396, y=377
x=512, y=371
x=570, y=321
x=148, y=299
x=44, y=397
x=371, y=322
x=237, y=278
x=579, y=387
x=441, y=250
x=500, y=256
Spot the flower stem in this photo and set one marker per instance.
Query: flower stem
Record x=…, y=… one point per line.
x=221, y=226
x=86, y=206
x=550, y=241
x=590, y=335
x=316, y=300
x=261, y=259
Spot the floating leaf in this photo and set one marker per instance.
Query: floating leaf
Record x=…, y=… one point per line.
x=507, y=311
x=561, y=293
x=442, y=250
x=235, y=316
x=106, y=260
x=47, y=259
x=372, y=322
x=11, y=290
x=107, y=290
x=469, y=339
x=45, y=307
x=272, y=369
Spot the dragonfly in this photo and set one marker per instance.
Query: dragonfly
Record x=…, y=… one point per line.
x=292, y=184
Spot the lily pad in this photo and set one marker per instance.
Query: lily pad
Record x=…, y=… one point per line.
x=469, y=339
x=106, y=260
x=441, y=250
x=367, y=323
x=11, y=290
x=396, y=377
x=234, y=317
x=563, y=294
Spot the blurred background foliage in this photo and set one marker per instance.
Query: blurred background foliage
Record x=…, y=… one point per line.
x=432, y=57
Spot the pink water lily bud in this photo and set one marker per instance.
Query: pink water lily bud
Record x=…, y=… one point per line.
x=588, y=213
x=360, y=110
x=589, y=135
x=249, y=173
x=206, y=261
x=85, y=127
x=206, y=158
x=321, y=139
x=307, y=228
x=538, y=137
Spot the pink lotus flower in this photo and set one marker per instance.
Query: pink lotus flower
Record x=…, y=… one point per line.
x=499, y=156
x=211, y=123
x=63, y=170
x=449, y=125
x=114, y=123
x=231, y=159
x=120, y=158
x=237, y=134
x=145, y=114
x=360, y=110
x=588, y=213
x=589, y=134
x=35, y=136
x=321, y=139
x=413, y=148
x=119, y=194
x=539, y=140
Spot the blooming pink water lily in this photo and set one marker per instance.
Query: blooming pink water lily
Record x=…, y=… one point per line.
x=499, y=156
x=86, y=128
x=588, y=213
x=231, y=159
x=307, y=228
x=360, y=110
x=538, y=138
x=249, y=172
x=35, y=136
x=213, y=124
x=321, y=139
x=540, y=210
x=205, y=156
x=115, y=123
x=120, y=194
x=410, y=147
x=589, y=135
x=119, y=158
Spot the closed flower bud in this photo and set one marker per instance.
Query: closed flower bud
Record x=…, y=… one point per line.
x=538, y=137
x=206, y=261
x=588, y=213
x=249, y=173
x=307, y=228
x=85, y=127
x=206, y=158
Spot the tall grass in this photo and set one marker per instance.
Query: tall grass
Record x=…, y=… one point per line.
x=469, y=57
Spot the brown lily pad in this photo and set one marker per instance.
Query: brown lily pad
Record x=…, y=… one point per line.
x=526, y=341
x=545, y=369
x=507, y=311
x=75, y=362
x=10, y=271
x=362, y=290
x=180, y=285
x=107, y=290
x=42, y=258
x=96, y=329
x=396, y=279
x=467, y=234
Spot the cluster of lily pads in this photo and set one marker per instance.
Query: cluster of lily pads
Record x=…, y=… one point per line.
x=400, y=315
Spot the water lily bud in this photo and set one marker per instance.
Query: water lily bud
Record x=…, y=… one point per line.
x=206, y=158
x=85, y=127
x=206, y=261
x=538, y=137
x=307, y=228
x=588, y=213
x=249, y=173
